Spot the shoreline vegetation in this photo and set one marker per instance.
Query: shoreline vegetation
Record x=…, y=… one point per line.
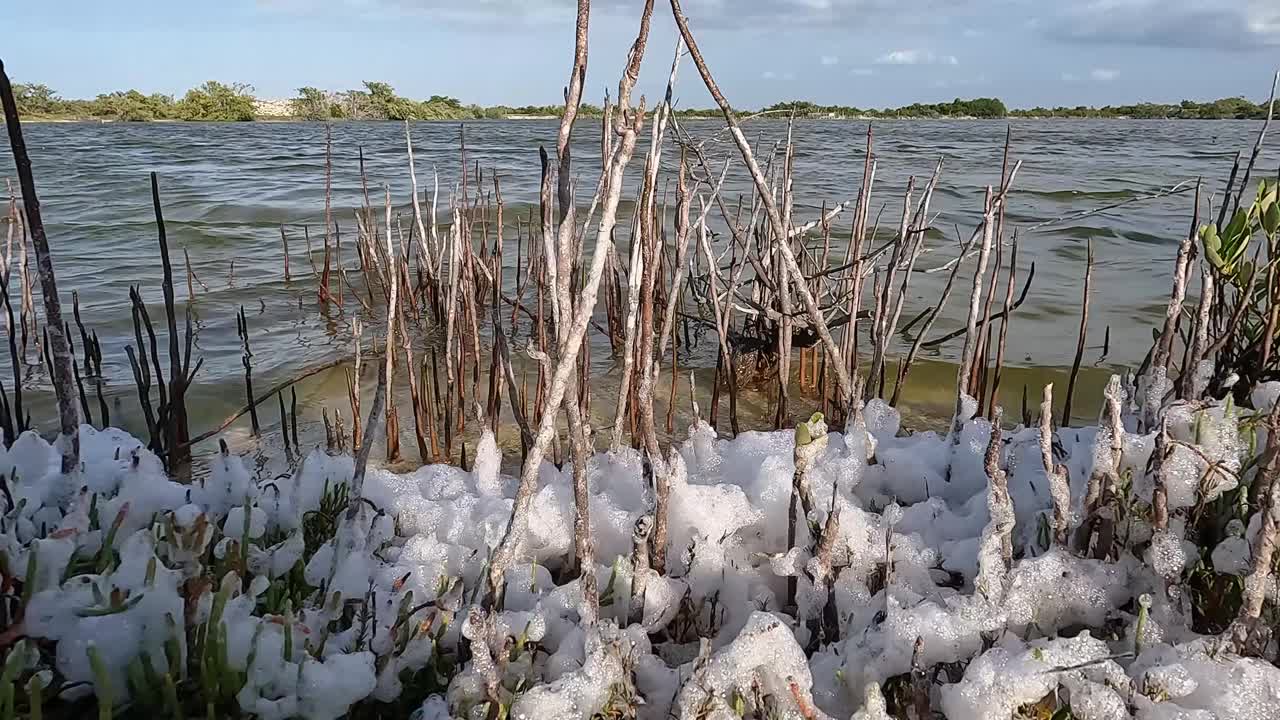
x=234, y=102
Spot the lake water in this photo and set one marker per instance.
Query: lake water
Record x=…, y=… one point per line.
x=227, y=188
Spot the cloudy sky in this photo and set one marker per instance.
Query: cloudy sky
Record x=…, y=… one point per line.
x=852, y=52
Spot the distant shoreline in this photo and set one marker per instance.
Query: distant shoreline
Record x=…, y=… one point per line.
x=529, y=118
x=234, y=102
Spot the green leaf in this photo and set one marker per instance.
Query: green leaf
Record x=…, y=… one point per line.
x=1231, y=234
x=1244, y=272
x=1209, y=237
x=1211, y=254
x=1271, y=218
x=1266, y=194
x=802, y=435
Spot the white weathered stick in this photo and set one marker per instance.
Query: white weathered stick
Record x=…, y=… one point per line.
x=629, y=125
x=417, y=208
x=843, y=377
x=1264, y=545
x=1059, y=489
x=975, y=297
x=392, y=443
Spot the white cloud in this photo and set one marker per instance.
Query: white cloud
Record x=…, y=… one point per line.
x=901, y=57
x=1070, y=77
x=1224, y=24
x=1104, y=74
x=916, y=57
x=830, y=60
x=772, y=75
x=719, y=14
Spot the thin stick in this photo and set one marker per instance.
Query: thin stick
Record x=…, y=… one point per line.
x=1264, y=544
x=816, y=318
x=1084, y=327
x=84, y=399
x=1022, y=296
x=263, y=398
x=353, y=383
x=904, y=366
x=1178, y=291
x=1188, y=380
x=19, y=414
x=975, y=296
x=177, y=427
x=284, y=240
x=629, y=126
x=1257, y=146
x=1004, y=323
x=284, y=423
x=1059, y=489
x=328, y=211
x=417, y=211
x=62, y=381
x=362, y=457
x=584, y=547
x=635, y=272
x=393, y=425
x=245, y=359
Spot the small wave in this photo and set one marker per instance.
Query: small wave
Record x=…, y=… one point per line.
x=1146, y=238
x=1083, y=232
x=1072, y=195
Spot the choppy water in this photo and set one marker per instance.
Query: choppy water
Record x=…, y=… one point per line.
x=227, y=188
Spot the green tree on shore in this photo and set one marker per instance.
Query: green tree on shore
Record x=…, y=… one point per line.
x=214, y=101
x=311, y=104
x=217, y=102
x=384, y=104
x=35, y=99
x=133, y=106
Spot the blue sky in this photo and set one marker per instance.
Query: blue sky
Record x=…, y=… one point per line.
x=855, y=52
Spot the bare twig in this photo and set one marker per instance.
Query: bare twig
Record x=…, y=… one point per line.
x=843, y=377
x=63, y=384
x=1080, y=341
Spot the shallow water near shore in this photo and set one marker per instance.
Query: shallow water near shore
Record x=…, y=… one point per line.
x=227, y=189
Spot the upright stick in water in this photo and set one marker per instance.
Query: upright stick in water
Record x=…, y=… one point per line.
x=775, y=217
x=176, y=428
x=628, y=127
x=63, y=384
x=1264, y=544
x=393, y=425
x=975, y=297
x=1084, y=328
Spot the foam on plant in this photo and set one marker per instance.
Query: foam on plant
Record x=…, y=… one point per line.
x=919, y=577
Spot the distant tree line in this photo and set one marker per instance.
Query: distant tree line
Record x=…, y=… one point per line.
x=379, y=101
x=1237, y=108
x=212, y=101
x=1223, y=109
x=223, y=102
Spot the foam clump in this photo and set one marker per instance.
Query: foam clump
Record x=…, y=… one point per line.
x=906, y=574
x=763, y=660
x=1007, y=677
x=1200, y=680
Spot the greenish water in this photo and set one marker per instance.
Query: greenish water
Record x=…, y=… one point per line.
x=228, y=188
